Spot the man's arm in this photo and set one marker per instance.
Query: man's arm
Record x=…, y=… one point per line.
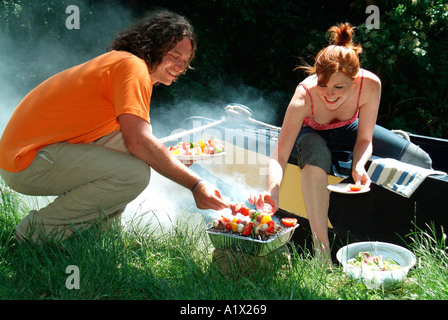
x=142, y=144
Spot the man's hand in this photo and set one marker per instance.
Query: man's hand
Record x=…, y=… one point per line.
x=187, y=163
x=207, y=196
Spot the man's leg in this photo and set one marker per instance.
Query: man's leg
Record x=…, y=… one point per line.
x=91, y=181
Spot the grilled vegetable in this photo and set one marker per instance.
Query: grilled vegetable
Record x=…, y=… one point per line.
x=289, y=222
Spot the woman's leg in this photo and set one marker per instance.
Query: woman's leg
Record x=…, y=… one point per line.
x=317, y=198
x=314, y=158
x=386, y=144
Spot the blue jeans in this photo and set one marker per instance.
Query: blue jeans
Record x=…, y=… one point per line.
x=316, y=147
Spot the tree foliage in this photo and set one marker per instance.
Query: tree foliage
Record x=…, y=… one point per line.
x=409, y=54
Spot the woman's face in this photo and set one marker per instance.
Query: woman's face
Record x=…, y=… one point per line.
x=336, y=91
x=173, y=63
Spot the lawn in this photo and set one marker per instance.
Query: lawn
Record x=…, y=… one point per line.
x=181, y=264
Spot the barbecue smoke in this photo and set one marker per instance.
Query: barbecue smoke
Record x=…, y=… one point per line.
x=25, y=64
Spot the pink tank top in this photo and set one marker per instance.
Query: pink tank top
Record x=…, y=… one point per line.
x=309, y=121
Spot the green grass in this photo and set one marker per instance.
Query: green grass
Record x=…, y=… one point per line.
x=179, y=264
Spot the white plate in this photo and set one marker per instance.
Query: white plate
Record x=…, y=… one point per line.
x=344, y=188
x=199, y=157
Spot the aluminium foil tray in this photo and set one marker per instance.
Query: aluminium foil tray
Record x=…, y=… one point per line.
x=255, y=247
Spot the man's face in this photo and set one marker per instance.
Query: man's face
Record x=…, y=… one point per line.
x=173, y=63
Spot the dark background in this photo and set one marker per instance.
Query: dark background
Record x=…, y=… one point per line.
x=247, y=44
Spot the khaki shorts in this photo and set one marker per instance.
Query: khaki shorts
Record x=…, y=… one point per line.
x=93, y=182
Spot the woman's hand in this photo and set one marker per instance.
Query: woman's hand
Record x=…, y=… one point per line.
x=258, y=200
x=187, y=163
x=360, y=176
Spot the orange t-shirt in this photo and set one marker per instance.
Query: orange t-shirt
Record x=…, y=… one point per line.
x=78, y=105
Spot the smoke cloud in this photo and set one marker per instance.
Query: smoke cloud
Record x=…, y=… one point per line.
x=24, y=65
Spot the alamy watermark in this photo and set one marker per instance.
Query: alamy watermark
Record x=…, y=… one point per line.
x=373, y=20
x=257, y=142
x=73, y=20
x=242, y=146
x=72, y=281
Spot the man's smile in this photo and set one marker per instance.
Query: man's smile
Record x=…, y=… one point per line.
x=172, y=73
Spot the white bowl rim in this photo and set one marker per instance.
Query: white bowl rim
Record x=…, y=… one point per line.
x=339, y=253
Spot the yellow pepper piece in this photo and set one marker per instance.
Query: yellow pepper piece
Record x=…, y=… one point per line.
x=265, y=219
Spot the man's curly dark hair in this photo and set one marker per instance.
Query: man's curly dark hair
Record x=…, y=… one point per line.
x=154, y=35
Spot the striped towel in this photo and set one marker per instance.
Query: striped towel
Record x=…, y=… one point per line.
x=397, y=176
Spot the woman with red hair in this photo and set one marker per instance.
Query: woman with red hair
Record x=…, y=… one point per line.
x=334, y=108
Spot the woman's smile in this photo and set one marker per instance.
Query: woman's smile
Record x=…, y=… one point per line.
x=334, y=100
x=336, y=91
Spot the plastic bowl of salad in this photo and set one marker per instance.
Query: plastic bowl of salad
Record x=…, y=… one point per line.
x=376, y=264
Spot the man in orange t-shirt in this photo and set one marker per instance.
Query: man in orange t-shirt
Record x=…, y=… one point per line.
x=84, y=134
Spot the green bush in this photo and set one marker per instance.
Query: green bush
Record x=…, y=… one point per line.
x=409, y=54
